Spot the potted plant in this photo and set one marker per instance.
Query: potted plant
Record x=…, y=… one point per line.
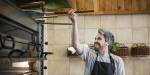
x=119, y=49
x=140, y=49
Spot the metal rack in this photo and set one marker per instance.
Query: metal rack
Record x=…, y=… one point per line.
x=14, y=22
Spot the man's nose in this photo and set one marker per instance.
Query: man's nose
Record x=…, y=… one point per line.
x=95, y=40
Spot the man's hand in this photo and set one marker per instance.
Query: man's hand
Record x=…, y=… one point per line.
x=72, y=16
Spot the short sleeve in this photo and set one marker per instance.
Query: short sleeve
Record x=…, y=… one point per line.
x=85, y=51
x=121, y=68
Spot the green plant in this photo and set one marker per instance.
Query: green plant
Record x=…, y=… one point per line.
x=114, y=47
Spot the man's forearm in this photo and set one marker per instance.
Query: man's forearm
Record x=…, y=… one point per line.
x=75, y=37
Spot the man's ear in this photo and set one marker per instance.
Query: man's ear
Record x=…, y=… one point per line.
x=106, y=43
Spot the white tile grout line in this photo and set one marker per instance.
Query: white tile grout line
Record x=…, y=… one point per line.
x=132, y=26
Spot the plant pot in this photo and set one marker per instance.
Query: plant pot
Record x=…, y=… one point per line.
x=140, y=51
x=122, y=51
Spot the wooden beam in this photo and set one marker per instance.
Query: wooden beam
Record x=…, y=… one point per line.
x=66, y=12
x=58, y=23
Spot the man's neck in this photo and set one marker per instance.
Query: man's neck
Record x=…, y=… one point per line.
x=104, y=51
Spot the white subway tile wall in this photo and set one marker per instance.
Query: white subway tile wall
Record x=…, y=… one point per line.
x=140, y=20
x=62, y=36
x=124, y=35
x=108, y=21
x=60, y=52
x=129, y=67
x=123, y=21
x=140, y=35
x=50, y=26
x=148, y=20
x=50, y=37
x=149, y=35
x=62, y=19
x=92, y=22
x=76, y=66
x=141, y=67
x=127, y=29
x=80, y=22
x=58, y=67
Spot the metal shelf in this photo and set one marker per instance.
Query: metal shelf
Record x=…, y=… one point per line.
x=18, y=17
x=4, y=60
x=16, y=23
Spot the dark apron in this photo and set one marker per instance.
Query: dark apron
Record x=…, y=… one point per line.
x=103, y=68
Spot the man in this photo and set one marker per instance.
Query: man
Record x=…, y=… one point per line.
x=98, y=61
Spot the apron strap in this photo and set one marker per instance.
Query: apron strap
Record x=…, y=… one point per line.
x=96, y=56
x=112, y=63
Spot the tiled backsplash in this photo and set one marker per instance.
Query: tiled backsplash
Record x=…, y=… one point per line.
x=127, y=29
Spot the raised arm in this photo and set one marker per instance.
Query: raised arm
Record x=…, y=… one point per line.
x=75, y=35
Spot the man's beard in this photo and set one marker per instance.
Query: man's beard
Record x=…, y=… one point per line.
x=100, y=48
x=97, y=46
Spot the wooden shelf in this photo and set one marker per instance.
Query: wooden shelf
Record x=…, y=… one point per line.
x=105, y=7
x=136, y=58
